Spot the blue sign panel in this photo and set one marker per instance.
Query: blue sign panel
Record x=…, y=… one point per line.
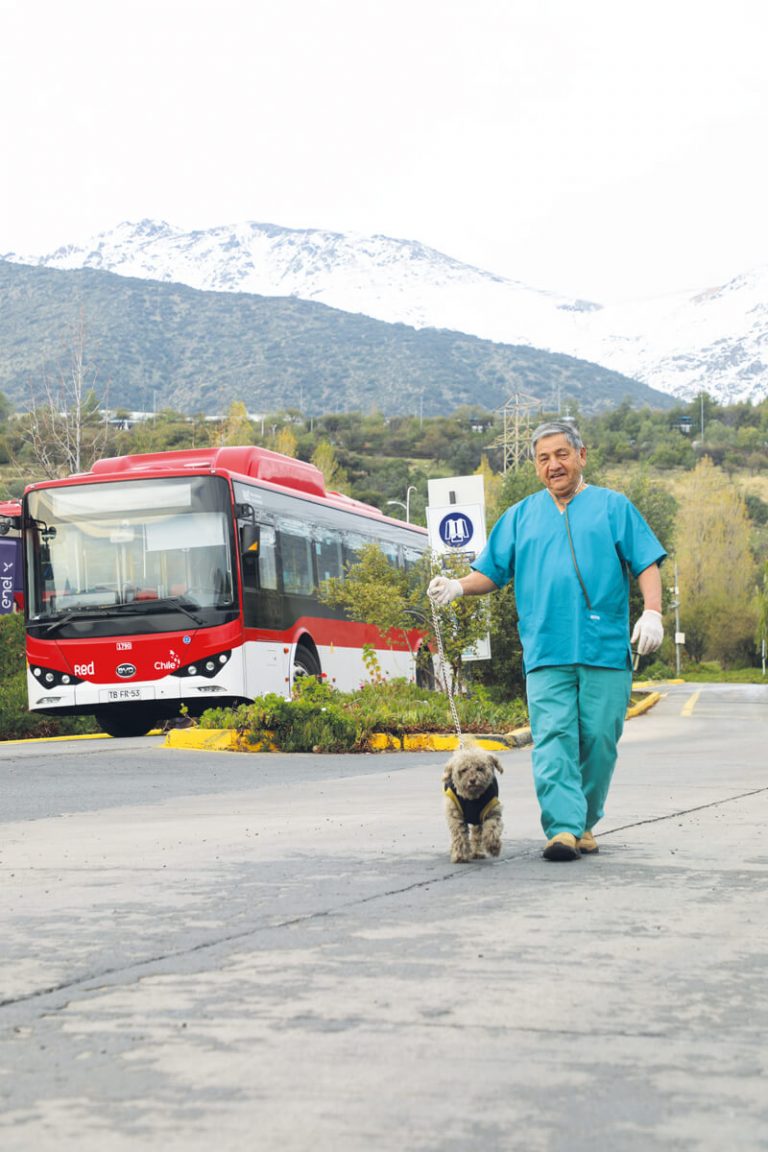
x=10, y=573
x=456, y=530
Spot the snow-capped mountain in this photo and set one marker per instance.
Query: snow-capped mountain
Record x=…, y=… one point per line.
x=715, y=340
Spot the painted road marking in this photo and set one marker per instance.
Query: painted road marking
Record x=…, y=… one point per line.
x=690, y=704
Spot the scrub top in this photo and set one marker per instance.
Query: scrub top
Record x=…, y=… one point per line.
x=529, y=544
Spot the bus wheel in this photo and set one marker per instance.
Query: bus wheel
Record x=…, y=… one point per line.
x=124, y=723
x=305, y=662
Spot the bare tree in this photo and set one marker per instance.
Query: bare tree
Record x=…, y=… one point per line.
x=66, y=431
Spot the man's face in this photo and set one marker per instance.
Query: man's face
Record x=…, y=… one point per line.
x=559, y=465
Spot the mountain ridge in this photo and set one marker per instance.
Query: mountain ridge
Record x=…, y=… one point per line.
x=148, y=342
x=713, y=340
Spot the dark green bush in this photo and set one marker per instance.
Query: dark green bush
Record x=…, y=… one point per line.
x=16, y=721
x=313, y=721
x=321, y=719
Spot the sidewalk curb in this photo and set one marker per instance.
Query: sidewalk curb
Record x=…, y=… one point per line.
x=643, y=705
x=228, y=740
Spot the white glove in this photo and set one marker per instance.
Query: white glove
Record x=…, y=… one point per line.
x=648, y=632
x=443, y=591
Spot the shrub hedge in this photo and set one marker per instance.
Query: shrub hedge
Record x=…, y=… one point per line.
x=321, y=719
x=16, y=721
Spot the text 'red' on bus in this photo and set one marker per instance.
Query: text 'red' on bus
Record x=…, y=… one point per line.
x=191, y=578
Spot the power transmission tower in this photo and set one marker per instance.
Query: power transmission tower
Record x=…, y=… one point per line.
x=515, y=439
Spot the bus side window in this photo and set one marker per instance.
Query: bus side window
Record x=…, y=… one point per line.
x=390, y=551
x=354, y=543
x=296, y=561
x=328, y=554
x=259, y=557
x=411, y=558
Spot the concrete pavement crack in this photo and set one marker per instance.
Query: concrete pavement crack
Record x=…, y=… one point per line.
x=133, y=972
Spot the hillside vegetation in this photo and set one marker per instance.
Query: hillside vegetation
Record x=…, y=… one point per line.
x=150, y=345
x=697, y=473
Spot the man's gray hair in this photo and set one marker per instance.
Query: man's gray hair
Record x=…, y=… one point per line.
x=557, y=428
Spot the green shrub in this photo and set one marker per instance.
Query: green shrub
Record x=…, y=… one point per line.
x=16, y=721
x=313, y=721
x=12, y=655
x=319, y=718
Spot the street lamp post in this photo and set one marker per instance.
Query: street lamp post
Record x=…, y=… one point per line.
x=407, y=505
x=678, y=634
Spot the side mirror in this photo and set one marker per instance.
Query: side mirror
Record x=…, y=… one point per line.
x=250, y=538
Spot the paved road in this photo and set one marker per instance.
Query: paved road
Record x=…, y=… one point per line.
x=273, y=952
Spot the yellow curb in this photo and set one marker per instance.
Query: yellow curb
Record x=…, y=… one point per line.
x=385, y=742
x=46, y=739
x=73, y=736
x=643, y=706
x=213, y=740
x=440, y=742
x=209, y=739
x=228, y=740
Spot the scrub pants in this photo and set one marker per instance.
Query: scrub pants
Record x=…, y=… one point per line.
x=577, y=717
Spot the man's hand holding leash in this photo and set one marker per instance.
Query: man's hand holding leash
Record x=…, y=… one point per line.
x=443, y=590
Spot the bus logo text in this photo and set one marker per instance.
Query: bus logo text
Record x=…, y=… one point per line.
x=125, y=671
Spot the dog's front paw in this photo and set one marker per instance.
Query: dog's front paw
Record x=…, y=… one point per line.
x=492, y=843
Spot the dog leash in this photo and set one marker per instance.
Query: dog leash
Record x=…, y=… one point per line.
x=444, y=671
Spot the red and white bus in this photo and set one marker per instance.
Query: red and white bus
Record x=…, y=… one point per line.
x=191, y=578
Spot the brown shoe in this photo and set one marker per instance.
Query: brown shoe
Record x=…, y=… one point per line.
x=587, y=845
x=563, y=846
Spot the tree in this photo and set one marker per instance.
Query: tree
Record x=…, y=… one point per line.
x=334, y=476
x=761, y=633
x=395, y=600
x=658, y=508
x=65, y=429
x=286, y=442
x=492, y=483
x=373, y=591
x=237, y=428
x=716, y=570
x=462, y=624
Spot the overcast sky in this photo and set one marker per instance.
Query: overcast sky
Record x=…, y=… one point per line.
x=604, y=148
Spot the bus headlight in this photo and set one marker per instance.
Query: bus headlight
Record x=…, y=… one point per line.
x=209, y=667
x=52, y=678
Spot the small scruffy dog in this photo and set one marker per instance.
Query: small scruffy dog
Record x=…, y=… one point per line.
x=472, y=805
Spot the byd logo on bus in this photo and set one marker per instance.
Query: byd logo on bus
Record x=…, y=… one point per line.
x=456, y=530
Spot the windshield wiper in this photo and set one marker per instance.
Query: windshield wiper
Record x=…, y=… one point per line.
x=143, y=608
x=178, y=603
x=71, y=614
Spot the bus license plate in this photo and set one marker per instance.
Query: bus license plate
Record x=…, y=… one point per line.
x=120, y=695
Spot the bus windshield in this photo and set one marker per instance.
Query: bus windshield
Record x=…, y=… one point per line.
x=161, y=548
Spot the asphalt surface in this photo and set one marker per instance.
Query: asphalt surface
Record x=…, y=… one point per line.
x=213, y=950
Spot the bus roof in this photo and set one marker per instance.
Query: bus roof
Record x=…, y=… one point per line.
x=247, y=461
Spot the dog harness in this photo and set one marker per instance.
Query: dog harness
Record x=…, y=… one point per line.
x=475, y=811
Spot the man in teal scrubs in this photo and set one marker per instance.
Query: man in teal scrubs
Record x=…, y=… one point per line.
x=570, y=549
